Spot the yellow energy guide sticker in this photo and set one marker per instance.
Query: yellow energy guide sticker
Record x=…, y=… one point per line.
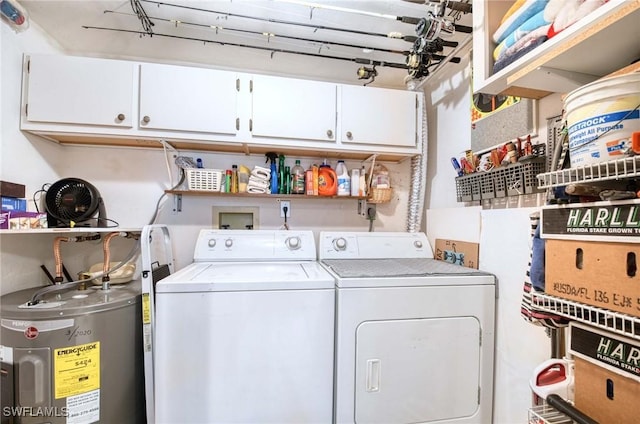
x=146, y=309
x=76, y=369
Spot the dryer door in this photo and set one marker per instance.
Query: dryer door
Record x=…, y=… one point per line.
x=417, y=370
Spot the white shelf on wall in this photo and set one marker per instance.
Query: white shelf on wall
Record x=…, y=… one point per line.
x=627, y=167
x=76, y=230
x=605, y=319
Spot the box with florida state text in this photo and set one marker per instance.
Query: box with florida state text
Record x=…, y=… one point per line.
x=595, y=273
x=606, y=373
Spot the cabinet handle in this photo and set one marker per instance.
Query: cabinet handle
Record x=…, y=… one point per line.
x=349, y=135
x=121, y=117
x=146, y=119
x=329, y=133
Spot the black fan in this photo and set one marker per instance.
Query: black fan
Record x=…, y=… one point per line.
x=72, y=202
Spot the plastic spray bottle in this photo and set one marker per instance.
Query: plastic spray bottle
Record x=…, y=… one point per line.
x=271, y=156
x=282, y=175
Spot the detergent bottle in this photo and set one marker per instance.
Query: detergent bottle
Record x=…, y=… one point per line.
x=344, y=181
x=327, y=180
x=271, y=156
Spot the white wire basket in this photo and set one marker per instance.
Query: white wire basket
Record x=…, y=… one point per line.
x=204, y=179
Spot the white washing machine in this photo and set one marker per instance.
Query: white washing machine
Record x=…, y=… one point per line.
x=414, y=336
x=245, y=334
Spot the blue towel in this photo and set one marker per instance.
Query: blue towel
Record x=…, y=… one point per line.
x=537, y=261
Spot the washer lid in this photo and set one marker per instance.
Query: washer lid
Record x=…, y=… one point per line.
x=236, y=276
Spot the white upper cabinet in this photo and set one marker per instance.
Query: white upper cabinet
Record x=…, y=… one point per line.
x=80, y=100
x=179, y=98
x=293, y=109
x=378, y=116
x=75, y=90
x=600, y=43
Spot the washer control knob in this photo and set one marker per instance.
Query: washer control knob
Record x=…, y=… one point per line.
x=293, y=243
x=212, y=242
x=228, y=242
x=339, y=244
x=418, y=244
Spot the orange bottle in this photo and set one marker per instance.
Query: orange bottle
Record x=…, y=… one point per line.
x=308, y=181
x=327, y=181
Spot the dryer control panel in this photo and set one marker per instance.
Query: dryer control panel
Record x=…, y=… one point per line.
x=254, y=245
x=365, y=245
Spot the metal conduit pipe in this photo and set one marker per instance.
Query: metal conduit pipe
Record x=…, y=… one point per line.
x=415, y=208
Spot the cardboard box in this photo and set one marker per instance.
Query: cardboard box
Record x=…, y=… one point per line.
x=458, y=252
x=617, y=221
x=21, y=220
x=8, y=189
x=14, y=204
x=607, y=374
x=595, y=273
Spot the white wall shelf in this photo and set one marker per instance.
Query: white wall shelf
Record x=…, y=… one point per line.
x=628, y=167
x=605, y=319
x=609, y=35
x=71, y=231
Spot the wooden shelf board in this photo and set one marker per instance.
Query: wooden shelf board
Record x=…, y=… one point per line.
x=226, y=147
x=258, y=195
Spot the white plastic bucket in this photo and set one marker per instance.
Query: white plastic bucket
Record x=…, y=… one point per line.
x=601, y=116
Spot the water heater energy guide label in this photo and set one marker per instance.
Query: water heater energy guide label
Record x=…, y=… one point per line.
x=76, y=369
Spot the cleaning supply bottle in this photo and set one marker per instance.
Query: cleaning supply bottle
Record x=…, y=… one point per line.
x=282, y=175
x=327, y=180
x=355, y=182
x=344, y=181
x=297, y=179
x=271, y=156
x=287, y=180
x=234, y=178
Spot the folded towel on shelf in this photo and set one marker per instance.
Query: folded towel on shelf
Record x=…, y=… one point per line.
x=255, y=186
x=533, y=23
x=517, y=17
x=261, y=173
x=259, y=180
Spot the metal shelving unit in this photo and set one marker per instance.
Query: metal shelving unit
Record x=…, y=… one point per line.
x=627, y=167
x=605, y=319
x=547, y=414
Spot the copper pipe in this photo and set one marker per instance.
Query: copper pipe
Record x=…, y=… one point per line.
x=58, y=258
x=107, y=255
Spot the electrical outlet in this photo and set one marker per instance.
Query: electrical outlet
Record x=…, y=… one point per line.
x=285, y=204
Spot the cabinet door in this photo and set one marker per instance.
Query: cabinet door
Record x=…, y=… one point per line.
x=293, y=108
x=378, y=116
x=78, y=90
x=187, y=99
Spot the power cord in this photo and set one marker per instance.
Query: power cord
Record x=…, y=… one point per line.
x=285, y=210
x=371, y=216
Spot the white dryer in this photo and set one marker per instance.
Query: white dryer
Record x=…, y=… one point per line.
x=414, y=336
x=245, y=333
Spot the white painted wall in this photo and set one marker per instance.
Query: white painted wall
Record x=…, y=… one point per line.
x=503, y=234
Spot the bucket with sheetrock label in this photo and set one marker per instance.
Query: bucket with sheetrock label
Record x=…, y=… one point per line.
x=601, y=117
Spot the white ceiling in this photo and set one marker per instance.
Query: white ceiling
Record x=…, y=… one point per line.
x=73, y=24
